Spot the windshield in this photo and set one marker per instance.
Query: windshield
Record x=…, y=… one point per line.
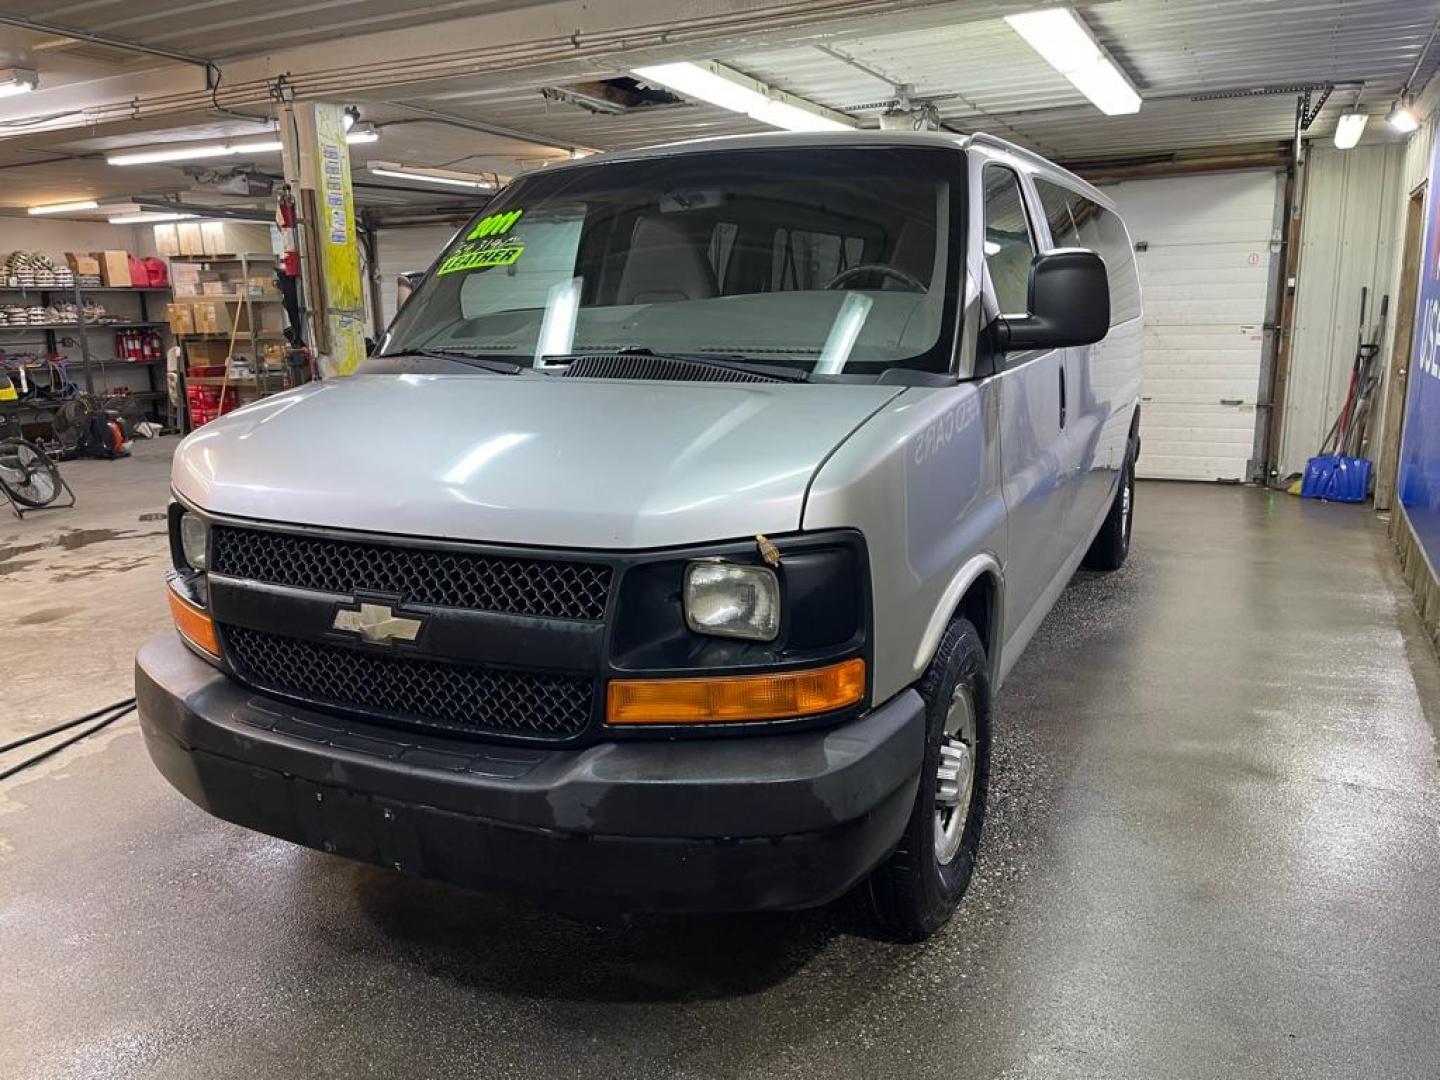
x=830, y=261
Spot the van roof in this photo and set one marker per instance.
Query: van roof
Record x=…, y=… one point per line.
x=859, y=137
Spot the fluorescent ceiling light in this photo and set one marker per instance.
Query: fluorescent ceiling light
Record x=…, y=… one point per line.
x=17, y=81
x=718, y=85
x=235, y=148
x=148, y=219
x=1403, y=117
x=1349, y=128
x=66, y=207
x=1067, y=45
x=448, y=177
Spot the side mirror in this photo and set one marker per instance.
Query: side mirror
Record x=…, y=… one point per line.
x=1069, y=303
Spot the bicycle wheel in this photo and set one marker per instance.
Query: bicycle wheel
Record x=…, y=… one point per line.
x=28, y=474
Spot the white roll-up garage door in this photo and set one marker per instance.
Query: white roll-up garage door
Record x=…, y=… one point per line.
x=1204, y=246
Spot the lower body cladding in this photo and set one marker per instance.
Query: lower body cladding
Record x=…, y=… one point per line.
x=730, y=824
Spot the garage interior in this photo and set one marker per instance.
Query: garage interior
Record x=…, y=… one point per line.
x=1213, y=843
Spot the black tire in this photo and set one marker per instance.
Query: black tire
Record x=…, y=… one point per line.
x=913, y=893
x=1112, y=542
x=42, y=484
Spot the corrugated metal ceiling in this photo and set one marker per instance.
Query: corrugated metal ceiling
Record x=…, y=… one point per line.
x=981, y=75
x=217, y=29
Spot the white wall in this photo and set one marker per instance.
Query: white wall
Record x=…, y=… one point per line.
x=1350, y=225
x=55, y=237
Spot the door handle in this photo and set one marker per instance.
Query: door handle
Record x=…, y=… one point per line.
x=1062, y=393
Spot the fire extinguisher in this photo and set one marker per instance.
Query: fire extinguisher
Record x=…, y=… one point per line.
x=287, y=219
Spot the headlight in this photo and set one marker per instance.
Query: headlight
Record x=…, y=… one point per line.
x=194, y=535
x=732, y=600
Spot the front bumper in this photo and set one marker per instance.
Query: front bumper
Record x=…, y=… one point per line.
x=733, y=824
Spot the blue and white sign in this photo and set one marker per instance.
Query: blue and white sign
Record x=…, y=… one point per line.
x=1419, y=479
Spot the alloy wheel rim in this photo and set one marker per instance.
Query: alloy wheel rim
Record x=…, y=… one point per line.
x=1126, y=503
x=955, y=775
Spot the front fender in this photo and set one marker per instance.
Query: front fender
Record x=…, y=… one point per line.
x=921, y=480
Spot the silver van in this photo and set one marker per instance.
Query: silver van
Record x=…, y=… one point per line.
x=670, y=551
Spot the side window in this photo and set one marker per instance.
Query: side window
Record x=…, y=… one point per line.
x=1056, y=201
x=1102, y=232
x=1008, y=245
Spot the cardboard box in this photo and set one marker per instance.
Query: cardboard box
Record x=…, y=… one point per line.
x=216, y=288
x=207, y=353
x=82, y=262
x=235, y=238
x=190, y=238
x=181, y=317
x=187, y=288
x=114, y=268
x=167, y=239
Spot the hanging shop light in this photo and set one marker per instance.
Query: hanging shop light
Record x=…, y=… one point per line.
x=234, y=148
x=1065, y=43
x=1403, y=117
x=65, y=207
x=446, y=177
x=1350, y=127
x=715, y=84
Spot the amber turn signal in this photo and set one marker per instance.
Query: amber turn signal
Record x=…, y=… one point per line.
x=736, y=698
x=194, y=625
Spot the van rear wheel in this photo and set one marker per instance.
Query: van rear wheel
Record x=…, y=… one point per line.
x=1112, y=542
x=914, y=892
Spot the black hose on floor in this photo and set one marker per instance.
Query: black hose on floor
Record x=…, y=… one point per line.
x=109, y=715
x=66, y=726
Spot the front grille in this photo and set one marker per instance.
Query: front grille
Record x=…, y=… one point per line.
x=458, y=579
x=457, y=697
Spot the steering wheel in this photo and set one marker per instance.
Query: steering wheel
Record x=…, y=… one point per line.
x=844, y=277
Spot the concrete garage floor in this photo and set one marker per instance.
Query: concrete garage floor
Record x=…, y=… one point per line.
x=1214, y=852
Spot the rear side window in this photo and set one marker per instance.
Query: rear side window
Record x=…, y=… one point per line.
x=1008, y=246
x=1102, y=232
x=1076, y=221
x=1056, y=201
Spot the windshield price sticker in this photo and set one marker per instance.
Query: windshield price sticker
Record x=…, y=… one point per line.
x=495, y=225
x=487, y=244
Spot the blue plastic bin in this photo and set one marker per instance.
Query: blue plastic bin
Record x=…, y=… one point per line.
x=1337, y=478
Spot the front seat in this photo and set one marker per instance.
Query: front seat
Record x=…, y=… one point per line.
x=665, y=264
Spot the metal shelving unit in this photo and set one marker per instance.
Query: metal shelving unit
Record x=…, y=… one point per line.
x=83, y=332
x=263, y=381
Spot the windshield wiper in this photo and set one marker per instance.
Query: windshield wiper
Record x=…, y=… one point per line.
x=500, y=367
x=729, y=362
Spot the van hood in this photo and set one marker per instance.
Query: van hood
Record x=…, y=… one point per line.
x=516, y=459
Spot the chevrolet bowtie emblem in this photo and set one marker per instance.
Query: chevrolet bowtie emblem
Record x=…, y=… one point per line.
x=377, y=624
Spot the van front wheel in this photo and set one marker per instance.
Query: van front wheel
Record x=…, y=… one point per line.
x=915, y=891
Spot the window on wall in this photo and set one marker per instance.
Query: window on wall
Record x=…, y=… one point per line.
x=1008, y=244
